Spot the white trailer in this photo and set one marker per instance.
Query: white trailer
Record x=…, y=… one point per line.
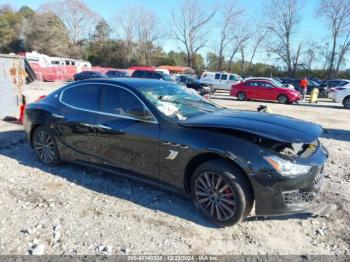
x=12, y=84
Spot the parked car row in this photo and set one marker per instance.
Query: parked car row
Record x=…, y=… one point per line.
x=95, y=74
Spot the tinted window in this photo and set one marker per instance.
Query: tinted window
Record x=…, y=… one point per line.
x=252, y=83
x=217, y=76
x=118, y=101
x=138, y=74
x=223, y=77
x=233, y=78
x=267, y=85
x=82, y=96
x=156, y=76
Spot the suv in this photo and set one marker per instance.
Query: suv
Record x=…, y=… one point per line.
x=151, y=75
x=220, y=80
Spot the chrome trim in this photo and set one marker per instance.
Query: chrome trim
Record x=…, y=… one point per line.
x=172, y=155
x=57, y=116
x=104, y=127
x=155, y=121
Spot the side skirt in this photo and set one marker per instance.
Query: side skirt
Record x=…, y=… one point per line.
x=154, y=183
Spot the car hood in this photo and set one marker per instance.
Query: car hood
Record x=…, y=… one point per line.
x=271, y=126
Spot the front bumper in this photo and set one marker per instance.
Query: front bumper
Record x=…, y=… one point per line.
x=278, y=195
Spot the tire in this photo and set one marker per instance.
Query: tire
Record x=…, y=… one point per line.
x=223, y=208
x=346, y=102
x=45, y=146
x=241, y=96
x=323, y=94
x=283, y=99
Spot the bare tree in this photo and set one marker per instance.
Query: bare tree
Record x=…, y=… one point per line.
x=79, y=19
x=231, y=14
x=295, y=59
x=238, y=41
x=343, y=49
x=259, y=37
x=189, y=27
x=282, y=19
x=336, y=14
x=139, y=28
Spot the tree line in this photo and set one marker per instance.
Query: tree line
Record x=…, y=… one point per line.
x=268, y=46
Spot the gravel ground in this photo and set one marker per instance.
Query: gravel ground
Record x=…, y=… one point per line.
x=75, y=210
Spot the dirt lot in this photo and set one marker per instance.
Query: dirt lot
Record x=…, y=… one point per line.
x=74, y=210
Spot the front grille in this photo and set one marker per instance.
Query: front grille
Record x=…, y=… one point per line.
x=298, y=197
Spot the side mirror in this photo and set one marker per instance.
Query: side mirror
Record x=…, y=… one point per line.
x=141, y=113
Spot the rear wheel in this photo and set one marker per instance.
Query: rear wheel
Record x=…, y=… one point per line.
x=221, y=193
x=45, y=146
x=346, y=102
x=241, y=96
x=282, y=99
x=323, y=93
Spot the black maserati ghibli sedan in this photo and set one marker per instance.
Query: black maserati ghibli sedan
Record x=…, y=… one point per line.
x=161, y=133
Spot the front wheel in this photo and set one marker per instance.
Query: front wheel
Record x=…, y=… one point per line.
x=346, y=102
x=282, y=99
x=221, y=192
x=45, y=146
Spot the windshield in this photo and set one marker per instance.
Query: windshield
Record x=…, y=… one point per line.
x=277, y=83
x=177, y=102
x=166, y=77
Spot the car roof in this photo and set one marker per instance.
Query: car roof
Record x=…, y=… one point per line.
x=259, y=78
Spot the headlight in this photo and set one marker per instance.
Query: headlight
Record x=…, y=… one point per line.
x=287, y=168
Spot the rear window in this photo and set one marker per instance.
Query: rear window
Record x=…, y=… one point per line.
x=82, y=96
x=217, y=76
x=233, y=78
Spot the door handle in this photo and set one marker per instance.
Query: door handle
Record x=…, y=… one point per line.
x=104, y=127
x=57, y=116
x=113, y=131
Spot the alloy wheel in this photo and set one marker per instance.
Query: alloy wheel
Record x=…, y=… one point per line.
x=241, y=96
x=282, y=99
x=215, y=196
x=44, y=146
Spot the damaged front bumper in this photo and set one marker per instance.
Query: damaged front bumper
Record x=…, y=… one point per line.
x=277, y=195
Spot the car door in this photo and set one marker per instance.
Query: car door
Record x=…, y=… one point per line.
x=224, y=82
x=266, y=91
x=124, y=140
x=251, y=88
x=75, y=125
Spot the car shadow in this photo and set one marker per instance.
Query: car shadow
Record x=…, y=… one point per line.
x=336, y=134
x=148, y=196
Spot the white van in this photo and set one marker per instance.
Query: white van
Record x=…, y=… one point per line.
x=220, y=80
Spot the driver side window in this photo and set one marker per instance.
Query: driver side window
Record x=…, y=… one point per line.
x=120, y=102
x=267, y=85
